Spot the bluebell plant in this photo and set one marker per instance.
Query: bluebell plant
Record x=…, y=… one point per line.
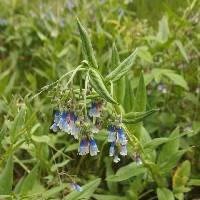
x=83, y=128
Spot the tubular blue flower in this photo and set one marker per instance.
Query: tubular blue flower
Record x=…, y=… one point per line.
x=116, y=159
x=76, y=187
x=111, y=134
x=54, y=127
x=123, y=151
x=57, y=117
x=93, y=147
x=138, y=159
x=94, y=110
x=112, y=149
x=121, y=136
x=75, y=130
x=63, y=125
x=84, y=147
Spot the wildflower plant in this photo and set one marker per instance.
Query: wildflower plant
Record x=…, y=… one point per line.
x=82, y=112
x=89, y=122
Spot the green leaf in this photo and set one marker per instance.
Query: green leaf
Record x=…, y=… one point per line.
x=29, y=181
x=109, y=171
x=6, y=178
x=58, y=165
x=87, y=192
x=155, y=143
x=181, y=177
x=164, y=194
x=108, y=197
x=163, y=32
x=144, y=54
x=172, y=161
x=135, y=117
x=194, y=182
x=126, y=91
x=52, y=192
x=17, y=124
x=115, y=61
x=98, y=84
x=170, y=147
x=176, y=78
x=122, y=69
x=182, y=50
x=141, y=96
x=87, y=45
x=126, y=172
x=41, y=139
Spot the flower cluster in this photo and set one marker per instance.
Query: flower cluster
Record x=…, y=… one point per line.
x=88, y=147
x=81, y=128
x=117, y=138
x=67, y=122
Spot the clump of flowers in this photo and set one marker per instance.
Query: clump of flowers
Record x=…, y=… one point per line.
x=83, y=127
x=118, y=140
x=80, y=127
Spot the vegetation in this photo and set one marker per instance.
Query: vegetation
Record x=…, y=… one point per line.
x=99, y=99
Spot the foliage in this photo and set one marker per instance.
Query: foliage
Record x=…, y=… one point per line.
x=141, y=62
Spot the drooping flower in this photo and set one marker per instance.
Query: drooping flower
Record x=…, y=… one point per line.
x=63, y=125
x=111, y=134
x=57, y=117
x=76, y=187
x=112, y=149
x=84, y=147
x=138, y=159
x=116, y=159
x=121, y=136
x=94, y=110
x=54, y=127
x=75, y=129
x=93, y=147
x=123, y=151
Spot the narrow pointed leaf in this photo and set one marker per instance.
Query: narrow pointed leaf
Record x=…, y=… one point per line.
x=29, y=181
x=17, y=124
x=6, y=178
x=122, y=69
x=136, y=117
x=124, y=172
x=98, y=84
x=141, y=96
x=115, y=61
x=87, y=45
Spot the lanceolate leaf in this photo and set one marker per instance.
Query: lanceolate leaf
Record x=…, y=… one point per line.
x=115, y=61
x=122, y=69
x=6, y=178
x=29, y=181
x=141, y=96
x=126, y=172
x=87, y=45
x=135, y=117
x=17, y=124
x=98, y=84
